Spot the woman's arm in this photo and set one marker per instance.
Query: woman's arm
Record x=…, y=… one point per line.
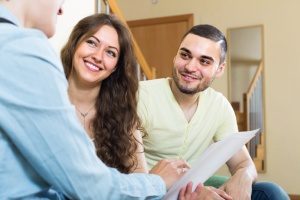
x=141, y=160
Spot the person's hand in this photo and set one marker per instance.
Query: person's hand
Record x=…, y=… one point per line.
x=239, y=186
x=202, y=193
x=170, y=170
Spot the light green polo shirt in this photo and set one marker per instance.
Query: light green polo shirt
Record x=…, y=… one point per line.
x=170, y=135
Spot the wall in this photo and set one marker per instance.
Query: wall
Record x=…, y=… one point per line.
x=282, y=67
x=245, y=49
x=73, y=11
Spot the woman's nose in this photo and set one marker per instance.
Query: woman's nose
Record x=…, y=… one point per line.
x=98, y=55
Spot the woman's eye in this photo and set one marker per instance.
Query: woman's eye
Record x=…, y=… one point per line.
x=91, y=43
x=111, y=53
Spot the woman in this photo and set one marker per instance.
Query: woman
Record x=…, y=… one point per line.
x=100, y=66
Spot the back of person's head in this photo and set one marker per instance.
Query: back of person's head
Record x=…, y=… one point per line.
x=29, y=13
x=212, y=33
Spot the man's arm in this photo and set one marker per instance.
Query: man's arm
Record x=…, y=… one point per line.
x=240, y=165
x=202, y=192
x=244, y=174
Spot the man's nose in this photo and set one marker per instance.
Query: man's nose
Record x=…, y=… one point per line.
x=193, y=65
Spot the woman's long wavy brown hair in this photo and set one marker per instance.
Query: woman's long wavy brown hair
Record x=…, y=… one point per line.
x=116, y=106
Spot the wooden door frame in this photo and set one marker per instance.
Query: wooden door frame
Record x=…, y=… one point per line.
x=189, y=18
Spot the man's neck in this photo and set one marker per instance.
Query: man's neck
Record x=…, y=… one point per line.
x=16, y=8
x=182, y=98
x=187, y=102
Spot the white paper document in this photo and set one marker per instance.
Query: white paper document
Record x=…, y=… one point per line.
x=210, y=161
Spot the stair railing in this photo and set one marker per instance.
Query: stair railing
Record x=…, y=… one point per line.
x=144, y=70
x=254, y=117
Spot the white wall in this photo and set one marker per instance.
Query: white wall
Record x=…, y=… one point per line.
x=74, y=10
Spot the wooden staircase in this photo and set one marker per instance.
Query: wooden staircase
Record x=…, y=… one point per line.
x=259, y=157
x=252, y=117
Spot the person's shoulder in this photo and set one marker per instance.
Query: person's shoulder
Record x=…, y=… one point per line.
x=16, y=38
x=212, y=92
x=154, y=88
x=154, y=83
x=217, y=96
x=26, y=43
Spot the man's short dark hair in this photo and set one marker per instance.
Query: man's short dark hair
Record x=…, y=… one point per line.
x=212, y=33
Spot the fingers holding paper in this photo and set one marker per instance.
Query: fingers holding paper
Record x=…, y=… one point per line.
x=202, y=193
x=170, y=170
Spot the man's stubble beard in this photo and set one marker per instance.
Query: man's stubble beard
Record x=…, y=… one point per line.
x=191, y=91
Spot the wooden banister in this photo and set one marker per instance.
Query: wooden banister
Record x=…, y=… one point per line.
x=254, y=117
x=255, y=79
x=149, y=73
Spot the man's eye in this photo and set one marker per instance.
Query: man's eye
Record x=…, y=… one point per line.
x=184, y=55
x=205, y=62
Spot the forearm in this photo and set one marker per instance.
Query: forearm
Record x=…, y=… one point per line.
x=243, y=171
x=241, y=164
x=248, y=173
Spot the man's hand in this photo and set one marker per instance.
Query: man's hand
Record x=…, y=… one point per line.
x=239, y=186
x=202, y=193
x=170, y=170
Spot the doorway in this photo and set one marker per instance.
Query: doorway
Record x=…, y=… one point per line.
x=159, y=39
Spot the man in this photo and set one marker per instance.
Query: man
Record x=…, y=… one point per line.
x=44, y=152
x=183, y=115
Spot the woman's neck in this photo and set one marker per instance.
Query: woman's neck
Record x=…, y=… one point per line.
x=84, y=100
x=82, y=96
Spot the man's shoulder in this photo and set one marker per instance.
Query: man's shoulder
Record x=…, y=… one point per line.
x=158, y=81
x=155, y=89
x=213, y=93
x=154, y=84
x=214, y=96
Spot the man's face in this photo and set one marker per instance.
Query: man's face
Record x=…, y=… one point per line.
x=196, y=64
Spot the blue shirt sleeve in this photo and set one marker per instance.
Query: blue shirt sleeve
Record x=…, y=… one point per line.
x=42, y=135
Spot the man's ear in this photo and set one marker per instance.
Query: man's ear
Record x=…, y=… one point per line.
x=220, y=70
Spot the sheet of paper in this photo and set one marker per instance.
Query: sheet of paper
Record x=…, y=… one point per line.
x=210, y=161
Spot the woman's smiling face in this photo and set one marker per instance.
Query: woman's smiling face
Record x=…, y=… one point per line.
x=97, y=56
